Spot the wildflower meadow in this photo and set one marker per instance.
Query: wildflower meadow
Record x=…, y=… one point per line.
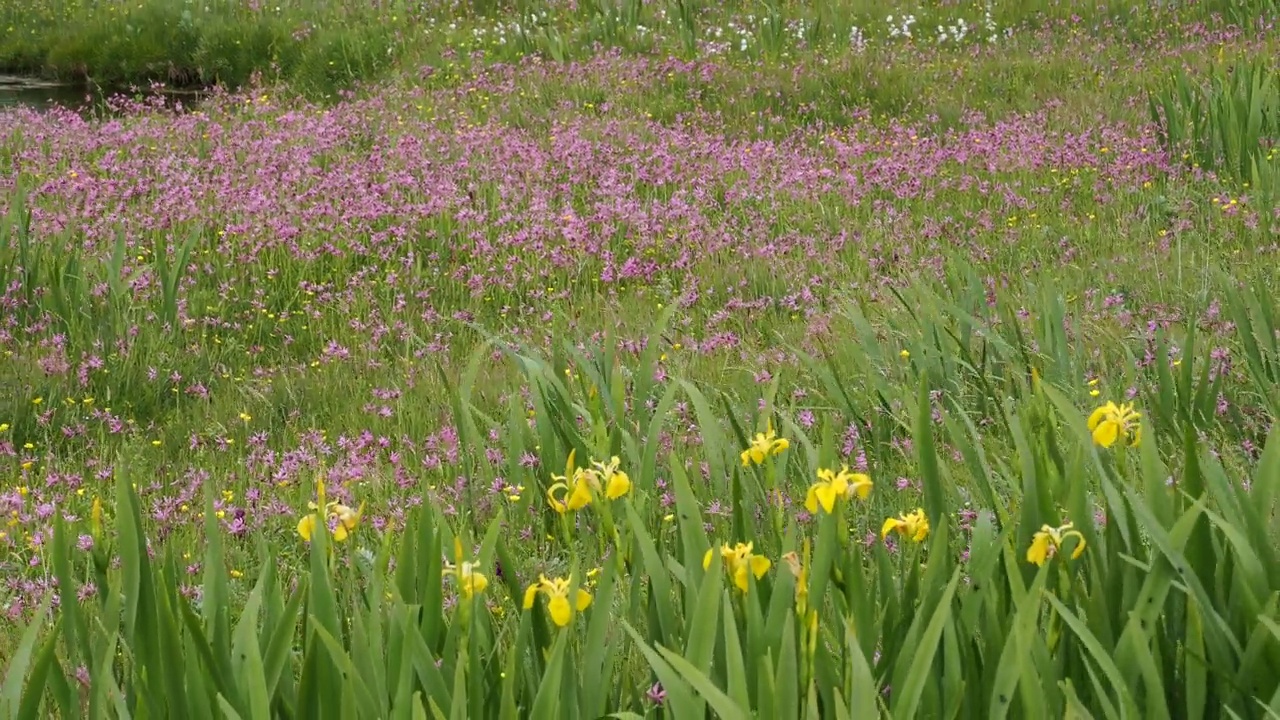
x=641, y=360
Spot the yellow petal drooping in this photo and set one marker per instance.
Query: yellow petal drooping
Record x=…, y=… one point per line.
x=760, y=565
x=811, y=500
x=890, y=525
x=339, y=533
x=619, y=485
x=305, y=527
x=560, y=610
x=1038, y=553
x=555, y=493
x=1106, y=433
x=862, y=486
x=581, y=496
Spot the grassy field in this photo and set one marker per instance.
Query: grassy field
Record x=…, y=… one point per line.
x=556, y=361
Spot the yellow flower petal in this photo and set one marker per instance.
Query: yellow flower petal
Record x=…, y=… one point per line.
x=839, y=481
x=1097, y=416
x=554, y=495
x=530, y=595
x=1079, y=543
x=560, y=610
x=347, y=518
x=760, y=565
x=619, y=485
x=1039, y=550
x=1106, y=433
x=922, y=531
x=305, y=526
x=740, y=577
x=581, y=496
x=861, y=486
x=826, y=496
x=584, y=600
x=811, y=500
x=706, y=560
x=890, y=525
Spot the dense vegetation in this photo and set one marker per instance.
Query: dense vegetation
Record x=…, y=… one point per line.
x=645, y=359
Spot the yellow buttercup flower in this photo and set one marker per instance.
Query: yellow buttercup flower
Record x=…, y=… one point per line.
x=470, y=581
x=738, y=561
x=832, y=486
x=913, y=525
x=1112, y=422
x=557, y=592
x=765, y=444
x=321, y=511
x=1048, y=541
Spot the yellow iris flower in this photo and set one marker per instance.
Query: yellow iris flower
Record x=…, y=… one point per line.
x=1048, y=541
x=1113, y=422
x=832, y=486
x=563, y=498
x=738, y=561
x=614, y=481
x=347, y=518
x=765, y=444
x=587, y=484
x=799, y=566
x=913, y=525
x=557, y=592
x=470, y=582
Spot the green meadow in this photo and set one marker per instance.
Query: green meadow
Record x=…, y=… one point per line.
x=640, y=360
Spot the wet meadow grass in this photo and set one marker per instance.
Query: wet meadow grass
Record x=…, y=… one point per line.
x=940, y=374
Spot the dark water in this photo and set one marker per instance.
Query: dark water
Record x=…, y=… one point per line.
x=29, y=92
x=19, y=91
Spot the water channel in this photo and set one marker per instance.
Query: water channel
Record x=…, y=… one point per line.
x=22, y=91
x=32, y=92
